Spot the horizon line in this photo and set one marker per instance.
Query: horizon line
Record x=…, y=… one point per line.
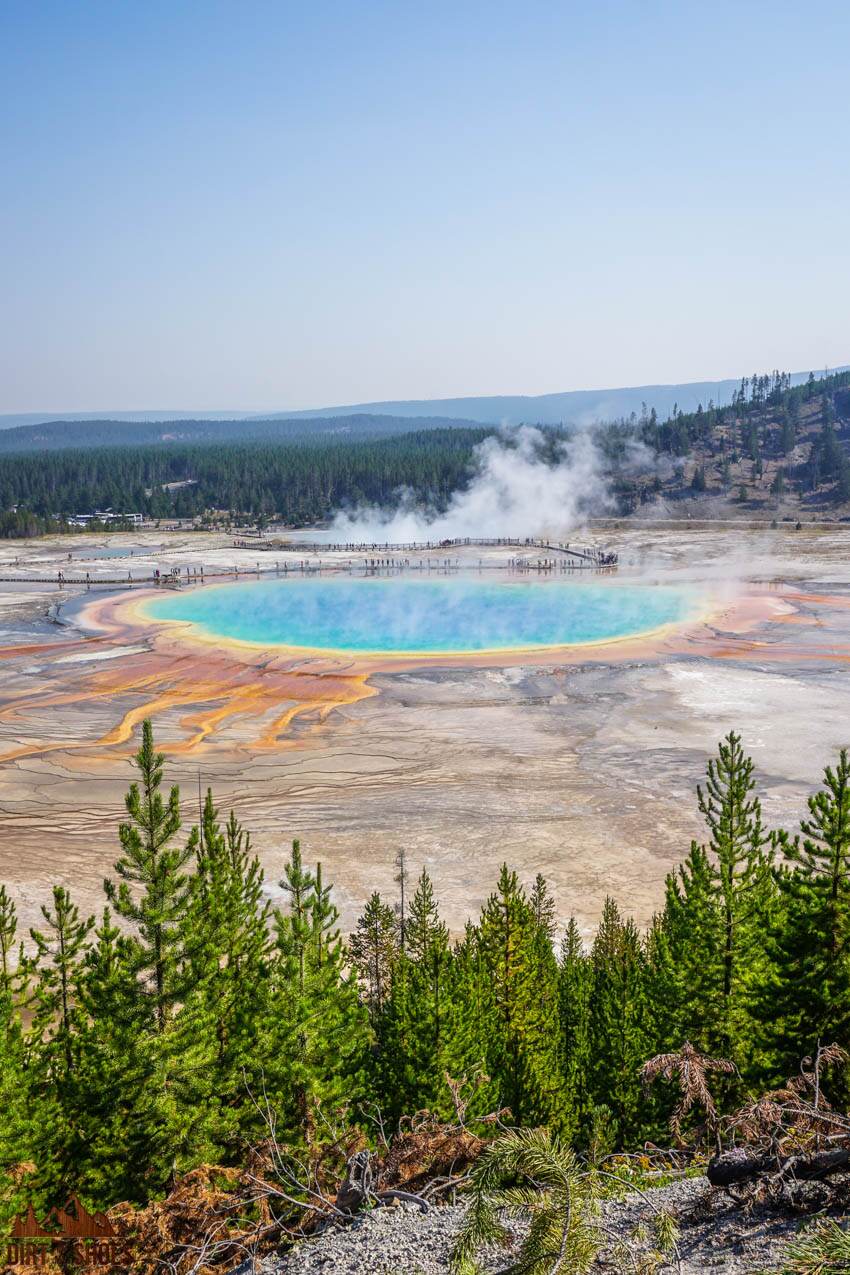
x=166, y=414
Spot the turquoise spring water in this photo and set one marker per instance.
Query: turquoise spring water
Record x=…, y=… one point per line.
x=398, y=615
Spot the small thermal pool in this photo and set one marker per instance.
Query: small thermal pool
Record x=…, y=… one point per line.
x=395, y=615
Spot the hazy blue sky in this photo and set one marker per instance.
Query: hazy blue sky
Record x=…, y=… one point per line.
x=269, y=205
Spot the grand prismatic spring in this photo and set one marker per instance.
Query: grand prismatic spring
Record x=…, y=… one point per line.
x=386, y=616
x=467, y=715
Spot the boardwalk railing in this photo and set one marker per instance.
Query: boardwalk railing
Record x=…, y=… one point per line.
x=596, y=557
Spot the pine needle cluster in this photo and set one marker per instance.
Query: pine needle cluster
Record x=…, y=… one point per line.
x=528, y=1174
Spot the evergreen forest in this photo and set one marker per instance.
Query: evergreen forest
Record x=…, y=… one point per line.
x=298, y=483
x=166, y=1032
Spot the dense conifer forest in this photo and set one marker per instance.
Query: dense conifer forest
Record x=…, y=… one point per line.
x=158, y=1035
x=775, y=447
x=297, y=482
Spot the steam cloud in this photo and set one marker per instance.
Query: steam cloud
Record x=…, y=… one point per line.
x=517, y=489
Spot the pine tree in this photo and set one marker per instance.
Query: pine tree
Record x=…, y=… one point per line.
x=53, y=1041
x=685, y=957
x=737, y=843
x=10, y=968
x=543, y=906
x=808, y=996
x=401, y=908
x=416, y=1035
x=788, y=434
x=575, y=982
x=318, y=1031
x=425, y=930
x=227, y=944
x=429, y=985
x=153, y=889
x=522, y=995
x=59, y=948
x=706, y=951
x=469, y=1035
x=123, y=1147
x=618, y=1029
x=374, y=950
x=22, y=1106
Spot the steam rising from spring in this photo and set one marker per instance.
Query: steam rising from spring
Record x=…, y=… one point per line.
x=523, y=484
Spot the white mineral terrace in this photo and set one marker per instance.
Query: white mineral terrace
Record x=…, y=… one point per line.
x=581, y=768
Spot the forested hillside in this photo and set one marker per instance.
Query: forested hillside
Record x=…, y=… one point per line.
x=161, y=1034
x=777, y=450
x=298, y=482
x=774, y=447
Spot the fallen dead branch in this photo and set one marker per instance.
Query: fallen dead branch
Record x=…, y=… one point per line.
x=740, y=1164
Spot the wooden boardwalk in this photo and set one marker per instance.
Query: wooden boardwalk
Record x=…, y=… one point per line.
x=574, y=557
x=585, y=553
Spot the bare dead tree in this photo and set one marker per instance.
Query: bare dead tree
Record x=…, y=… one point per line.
x=400, y=862
x=691, y=1070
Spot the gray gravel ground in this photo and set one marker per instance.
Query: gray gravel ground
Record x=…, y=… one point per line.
x=716, y=1236
x=393, y=1241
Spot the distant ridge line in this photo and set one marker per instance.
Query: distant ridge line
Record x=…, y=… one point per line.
x=56, y=435
x=569, y=406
